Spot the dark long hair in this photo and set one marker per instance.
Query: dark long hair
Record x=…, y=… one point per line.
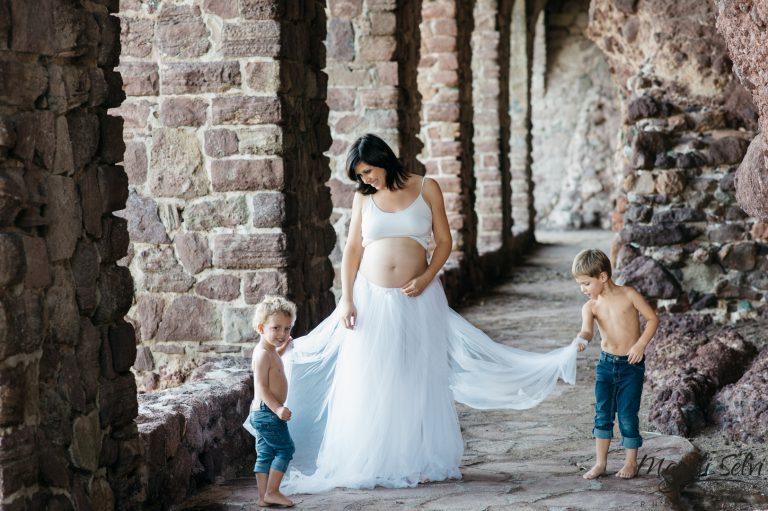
x=374, y=151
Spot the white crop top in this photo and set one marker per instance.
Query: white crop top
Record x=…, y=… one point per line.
x=415, y=221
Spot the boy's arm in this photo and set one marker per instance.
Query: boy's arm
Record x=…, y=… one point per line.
x=637, y=351
x=261, y=366
x=586, y=333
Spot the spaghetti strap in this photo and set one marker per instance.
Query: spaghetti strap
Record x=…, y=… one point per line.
x=422, y=185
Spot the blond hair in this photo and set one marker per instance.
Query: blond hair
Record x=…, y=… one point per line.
x=271, y=305
x=591, y=262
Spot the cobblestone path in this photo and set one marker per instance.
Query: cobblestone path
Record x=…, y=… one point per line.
x=514, y=460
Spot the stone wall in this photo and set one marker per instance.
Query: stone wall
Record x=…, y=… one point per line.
x=684, y=240
x=194, y=434
x=67, y=397
x=576, y=120
x=225, y=127
x=743, y=24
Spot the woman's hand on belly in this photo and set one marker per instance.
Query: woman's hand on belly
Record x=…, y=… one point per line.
x=416, y=286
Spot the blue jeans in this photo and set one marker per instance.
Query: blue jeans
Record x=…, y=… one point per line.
x=618, y=386
x=274, y=447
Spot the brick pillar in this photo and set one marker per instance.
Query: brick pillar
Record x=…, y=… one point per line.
x=372, y=62
x=521, y=57
x=445, y=83
x=226, y=125
x=68, y=438
x=491, y=163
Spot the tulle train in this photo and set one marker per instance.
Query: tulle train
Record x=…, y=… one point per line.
x=373, y=406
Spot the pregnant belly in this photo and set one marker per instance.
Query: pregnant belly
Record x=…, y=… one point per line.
x=392, y=262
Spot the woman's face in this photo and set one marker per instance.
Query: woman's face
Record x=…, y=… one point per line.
x=372, y=176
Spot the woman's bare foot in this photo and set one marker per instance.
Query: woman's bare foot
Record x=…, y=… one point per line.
x=595, y=472
x=628, y=471
x=278, y=499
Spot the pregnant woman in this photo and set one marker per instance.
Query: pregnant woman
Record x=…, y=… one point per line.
x=372, y=388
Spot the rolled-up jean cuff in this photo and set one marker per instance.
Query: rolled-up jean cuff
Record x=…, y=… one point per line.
x=280, y=464
x=632, y=443
x=262, y=468
x=602, y=433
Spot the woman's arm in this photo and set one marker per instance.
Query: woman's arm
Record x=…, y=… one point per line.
x=443, y=239
x=350, y=263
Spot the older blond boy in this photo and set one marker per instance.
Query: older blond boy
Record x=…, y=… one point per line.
x=621, y=367
x=274, y=318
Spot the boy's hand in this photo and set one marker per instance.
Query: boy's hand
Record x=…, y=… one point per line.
x=283, y=413
x=636, y=353
x=580, y=343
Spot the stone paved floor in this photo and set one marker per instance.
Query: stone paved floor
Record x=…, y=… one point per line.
x=514, y=460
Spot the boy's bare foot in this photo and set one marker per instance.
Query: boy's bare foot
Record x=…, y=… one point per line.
x=628, y=471
x=262, y=503
x=595, y=472
x=278, y=499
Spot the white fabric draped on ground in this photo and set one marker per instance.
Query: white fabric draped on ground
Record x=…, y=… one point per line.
x=375, y=405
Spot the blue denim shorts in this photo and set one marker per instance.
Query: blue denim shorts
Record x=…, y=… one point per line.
x=274, y=447
x=618, y=387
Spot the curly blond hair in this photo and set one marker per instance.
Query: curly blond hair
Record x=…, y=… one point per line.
x=271, y=305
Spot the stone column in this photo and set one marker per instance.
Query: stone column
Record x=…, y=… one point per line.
x=226, y=125
x=521, y=58
x=684, y=241
x=445, y=83
x=372, y=60
x=490, y=43
x=68, y=438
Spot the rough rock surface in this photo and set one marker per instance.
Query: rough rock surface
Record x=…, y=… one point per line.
x=680, y=402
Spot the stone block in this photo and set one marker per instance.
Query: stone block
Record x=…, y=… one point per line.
x=226, y=9
x=220, y=143
x=262, y=9
x=210, y=214
x=272, y=209
x=181, y=32
x=189, y=318
x=32, y=27
x=341, y=40
x=658, y=234
x=251, y=39
x=87, y=355
x=62, y=217
x=728, y=150
x=144, y=223
x=144, y=359
x=238, y=325
x=244, y=252
x=650, y=278
x=341, y=99
x=38, y=274
x=262, y=141
x=136, y=35
x=260, y=283
x=12, y=259
x=122, y=344
x=114, y=242
x=64, y=160
x=36, y=138
x=176, y=168
x=116, y=290
x=176, y=112
x=117, y=402
x=193, y=252
x=135, y=162
x=263, y=77
x=12, y=395
x=149, y=311
x=739, y=256
x=219, y=287
x=246, y=110
x=111, y=145
x=86, y=442
x=199, y=77
x=22, y=83
x=345, y=8
x=140, y=78
x=377, y=48
x=134, y=113
x=247, y=175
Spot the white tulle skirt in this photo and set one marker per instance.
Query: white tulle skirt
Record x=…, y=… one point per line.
x=374, y=406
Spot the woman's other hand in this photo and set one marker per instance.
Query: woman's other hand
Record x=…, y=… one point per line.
x=415, y=287
x=348, y=314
